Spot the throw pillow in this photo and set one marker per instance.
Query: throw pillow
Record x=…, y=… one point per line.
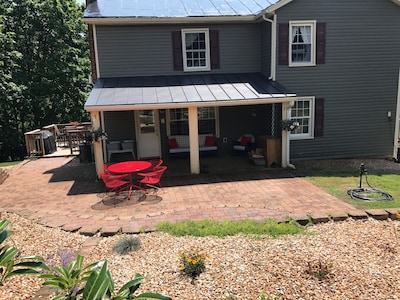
x=172, y=143
x=245, y=140
x=210, y=141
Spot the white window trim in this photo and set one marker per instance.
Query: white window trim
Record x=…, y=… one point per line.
x=207, y=67
x=217, y=128
x=313, y=25
x=310, y=134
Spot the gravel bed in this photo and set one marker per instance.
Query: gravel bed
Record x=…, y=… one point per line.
x=361, y=258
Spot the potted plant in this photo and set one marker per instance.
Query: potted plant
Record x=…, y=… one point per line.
x=289, y=125
x=98, y=134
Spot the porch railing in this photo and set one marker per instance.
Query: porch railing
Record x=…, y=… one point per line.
x=44, y=141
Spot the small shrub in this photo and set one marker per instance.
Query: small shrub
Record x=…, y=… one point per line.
x=319, y=269
x=126, y=245
x=192, y=263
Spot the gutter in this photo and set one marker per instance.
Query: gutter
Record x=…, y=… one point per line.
x=91, y=104
x=167, y=20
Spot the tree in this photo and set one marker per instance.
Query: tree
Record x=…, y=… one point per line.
x=45, y=51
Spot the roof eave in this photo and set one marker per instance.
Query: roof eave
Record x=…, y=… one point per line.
x=267, y=100
x=169, y=20
x=274, y=7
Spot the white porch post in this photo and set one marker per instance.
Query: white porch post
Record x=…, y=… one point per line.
x=396, y=141
x=97, y=146
x=286, y=114
x=194, y=141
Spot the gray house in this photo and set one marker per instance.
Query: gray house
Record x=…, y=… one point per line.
x=189, y=69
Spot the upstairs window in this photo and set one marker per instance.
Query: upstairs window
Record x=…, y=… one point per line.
x=302, y=43
x=196, y=49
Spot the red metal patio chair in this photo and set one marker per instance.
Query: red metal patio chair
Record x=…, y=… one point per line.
x=114, y=183
x=152, y=179
x=155, y=162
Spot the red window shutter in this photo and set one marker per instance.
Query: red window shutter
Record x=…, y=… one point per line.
x=283, y=44
x=321, y=27
x=214, y=49
x=177, y=50
x=319, y=117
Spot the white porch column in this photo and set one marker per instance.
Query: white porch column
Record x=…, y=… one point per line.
x=286, y=114
x=194, y=141
x=97, y=146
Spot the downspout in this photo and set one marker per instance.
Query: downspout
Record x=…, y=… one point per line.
x=397, y=123
x=273, y=45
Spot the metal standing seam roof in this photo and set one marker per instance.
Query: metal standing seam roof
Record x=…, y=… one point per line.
x=149, y=92
x=175, y=8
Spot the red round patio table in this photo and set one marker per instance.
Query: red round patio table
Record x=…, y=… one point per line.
x=130, y=167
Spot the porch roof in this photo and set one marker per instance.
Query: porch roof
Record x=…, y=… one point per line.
x=176, y=91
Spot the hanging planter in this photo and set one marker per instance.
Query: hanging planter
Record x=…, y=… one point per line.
x=289, y=125
x=98, y=134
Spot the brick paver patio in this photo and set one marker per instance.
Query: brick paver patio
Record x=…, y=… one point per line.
x=57, y=192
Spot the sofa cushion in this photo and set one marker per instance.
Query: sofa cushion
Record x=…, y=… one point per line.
x=172, y=143
x=210, y=141
x=245, y=140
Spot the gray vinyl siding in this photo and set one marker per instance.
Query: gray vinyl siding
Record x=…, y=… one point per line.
x=358, y=80
x=119, y=125
x=266, y=49
x=147, y=50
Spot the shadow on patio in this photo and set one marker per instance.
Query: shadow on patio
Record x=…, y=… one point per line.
x=214, y=170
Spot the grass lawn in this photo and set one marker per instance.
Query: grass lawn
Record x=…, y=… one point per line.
x=337, y=183
x=9, y=163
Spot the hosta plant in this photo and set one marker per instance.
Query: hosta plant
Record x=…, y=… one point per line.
x=11, y=263
x=92, y=282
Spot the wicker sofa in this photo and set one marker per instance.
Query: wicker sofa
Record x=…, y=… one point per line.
x=178, y=145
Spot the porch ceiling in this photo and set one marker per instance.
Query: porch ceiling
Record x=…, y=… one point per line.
x=174, y=91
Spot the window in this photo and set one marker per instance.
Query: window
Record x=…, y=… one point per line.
x=302, y=43
x=303, y=113
x=196, y=49
x=206, y=120
x=178, y=121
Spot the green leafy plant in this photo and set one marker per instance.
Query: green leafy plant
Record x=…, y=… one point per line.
x=128, y=289
x=192, y=262
x=126, y=245
x=319, y=269
x=11, y=263
x=98, y=134
x=92, y=282
x=289, y=125
x=69, y=280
